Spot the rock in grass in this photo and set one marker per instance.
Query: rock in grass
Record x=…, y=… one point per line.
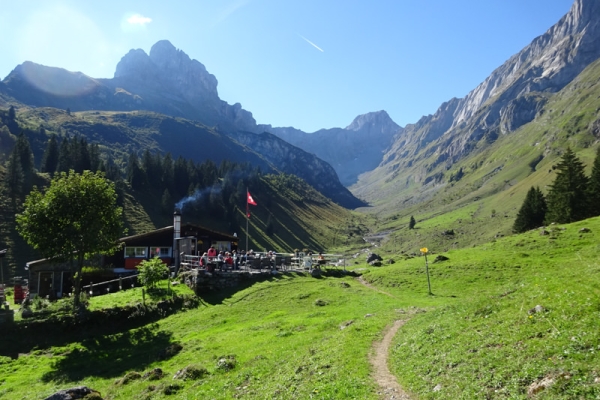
x=537, y=309
x=346, y=324
x=440, y=258
x=585, y=230
x=130, y=376
x=191, y=372
x=320, y=303
x=154, y=374
x=75, y=393
x=226, y=363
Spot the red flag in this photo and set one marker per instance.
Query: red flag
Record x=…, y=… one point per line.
x=251, y=200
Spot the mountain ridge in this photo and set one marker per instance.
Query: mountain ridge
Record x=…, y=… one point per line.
x=512, y=96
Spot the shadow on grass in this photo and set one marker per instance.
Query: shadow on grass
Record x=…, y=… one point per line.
x=218, y=296
x=112, y=356
x=214, y=297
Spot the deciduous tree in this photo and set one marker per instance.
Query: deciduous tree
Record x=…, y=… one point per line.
x=74, y=219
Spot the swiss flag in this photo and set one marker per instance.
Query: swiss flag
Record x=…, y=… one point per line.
x=251, y=200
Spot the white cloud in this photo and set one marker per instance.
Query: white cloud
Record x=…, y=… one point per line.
x=138, y=19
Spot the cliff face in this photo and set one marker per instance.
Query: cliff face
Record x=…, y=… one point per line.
x=513, y=94
x=352, y=150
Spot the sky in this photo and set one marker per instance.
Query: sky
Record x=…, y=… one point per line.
x=309, y=64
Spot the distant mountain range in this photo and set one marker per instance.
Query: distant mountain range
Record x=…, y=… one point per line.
x=373, y=154
x=167, y=82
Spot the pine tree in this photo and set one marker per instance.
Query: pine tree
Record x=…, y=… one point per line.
x=594, y=187
x=12, y=113
x=412, y=223
x=50, y=158
x=25, y=158
x=532, y=213
x=65, y=161
x=568, y=197
x=15, y=178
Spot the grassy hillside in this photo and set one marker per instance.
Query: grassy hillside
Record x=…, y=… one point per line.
x=297, y=337
x=481, y=204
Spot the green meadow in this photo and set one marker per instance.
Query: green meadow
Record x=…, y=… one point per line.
x=294, y=336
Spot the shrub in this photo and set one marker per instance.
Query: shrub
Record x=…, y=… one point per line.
x=151, y=272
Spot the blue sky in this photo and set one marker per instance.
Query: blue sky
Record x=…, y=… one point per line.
x=303, y=63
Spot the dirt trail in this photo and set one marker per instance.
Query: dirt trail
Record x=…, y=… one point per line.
x=389, y=387
x=367, y=284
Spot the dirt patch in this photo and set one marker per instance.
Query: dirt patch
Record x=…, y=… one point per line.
x=389, y=387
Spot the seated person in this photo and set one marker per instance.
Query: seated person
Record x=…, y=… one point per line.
x=220, y=260
x=204, y=260
x=321, y=259
x=228, y=261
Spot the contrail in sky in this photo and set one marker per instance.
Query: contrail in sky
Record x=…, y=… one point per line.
x=312, y=44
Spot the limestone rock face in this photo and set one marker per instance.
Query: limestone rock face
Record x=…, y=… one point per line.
x=352, y=150
x=513, y=94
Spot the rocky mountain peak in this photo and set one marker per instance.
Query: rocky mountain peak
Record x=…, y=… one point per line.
x=378, y=121
x=171, y=68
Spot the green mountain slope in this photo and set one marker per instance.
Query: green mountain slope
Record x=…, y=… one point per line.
x=479, y=196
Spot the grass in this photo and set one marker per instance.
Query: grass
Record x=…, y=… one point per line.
x=134, y=295
x=282, y=338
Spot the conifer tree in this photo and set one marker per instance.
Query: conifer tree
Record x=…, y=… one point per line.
x=568, y=197
x=50, y=158
x=25, y=158
x=12, y=113
x=532, y=213
x=594, y=187
x=412, y=223
x=65, y=162
x=15, y=178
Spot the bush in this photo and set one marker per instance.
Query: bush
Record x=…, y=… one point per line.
x=151, y=272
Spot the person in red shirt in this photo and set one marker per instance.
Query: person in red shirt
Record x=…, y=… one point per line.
x=212, y=252
x=228, y=261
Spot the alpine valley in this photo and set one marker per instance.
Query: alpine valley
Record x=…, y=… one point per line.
x=474, y=158
x=506, y=315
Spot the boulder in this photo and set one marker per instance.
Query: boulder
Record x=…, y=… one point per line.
x=440, y=258
x=373, y=257
x=74, y=393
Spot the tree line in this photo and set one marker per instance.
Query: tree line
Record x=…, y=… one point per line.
x=157, y=179
x=573, y=196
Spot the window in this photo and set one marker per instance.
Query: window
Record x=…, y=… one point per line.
x=162, y=252
x=137, y=252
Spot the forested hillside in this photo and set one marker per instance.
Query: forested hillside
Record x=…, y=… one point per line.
x=290, y=213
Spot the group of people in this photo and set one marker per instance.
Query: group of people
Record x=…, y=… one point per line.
x=235, y=260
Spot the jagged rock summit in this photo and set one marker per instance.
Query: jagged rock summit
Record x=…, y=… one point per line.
x=170, y=67
x=351, y=151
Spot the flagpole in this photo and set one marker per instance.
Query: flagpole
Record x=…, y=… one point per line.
x=247, y=218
